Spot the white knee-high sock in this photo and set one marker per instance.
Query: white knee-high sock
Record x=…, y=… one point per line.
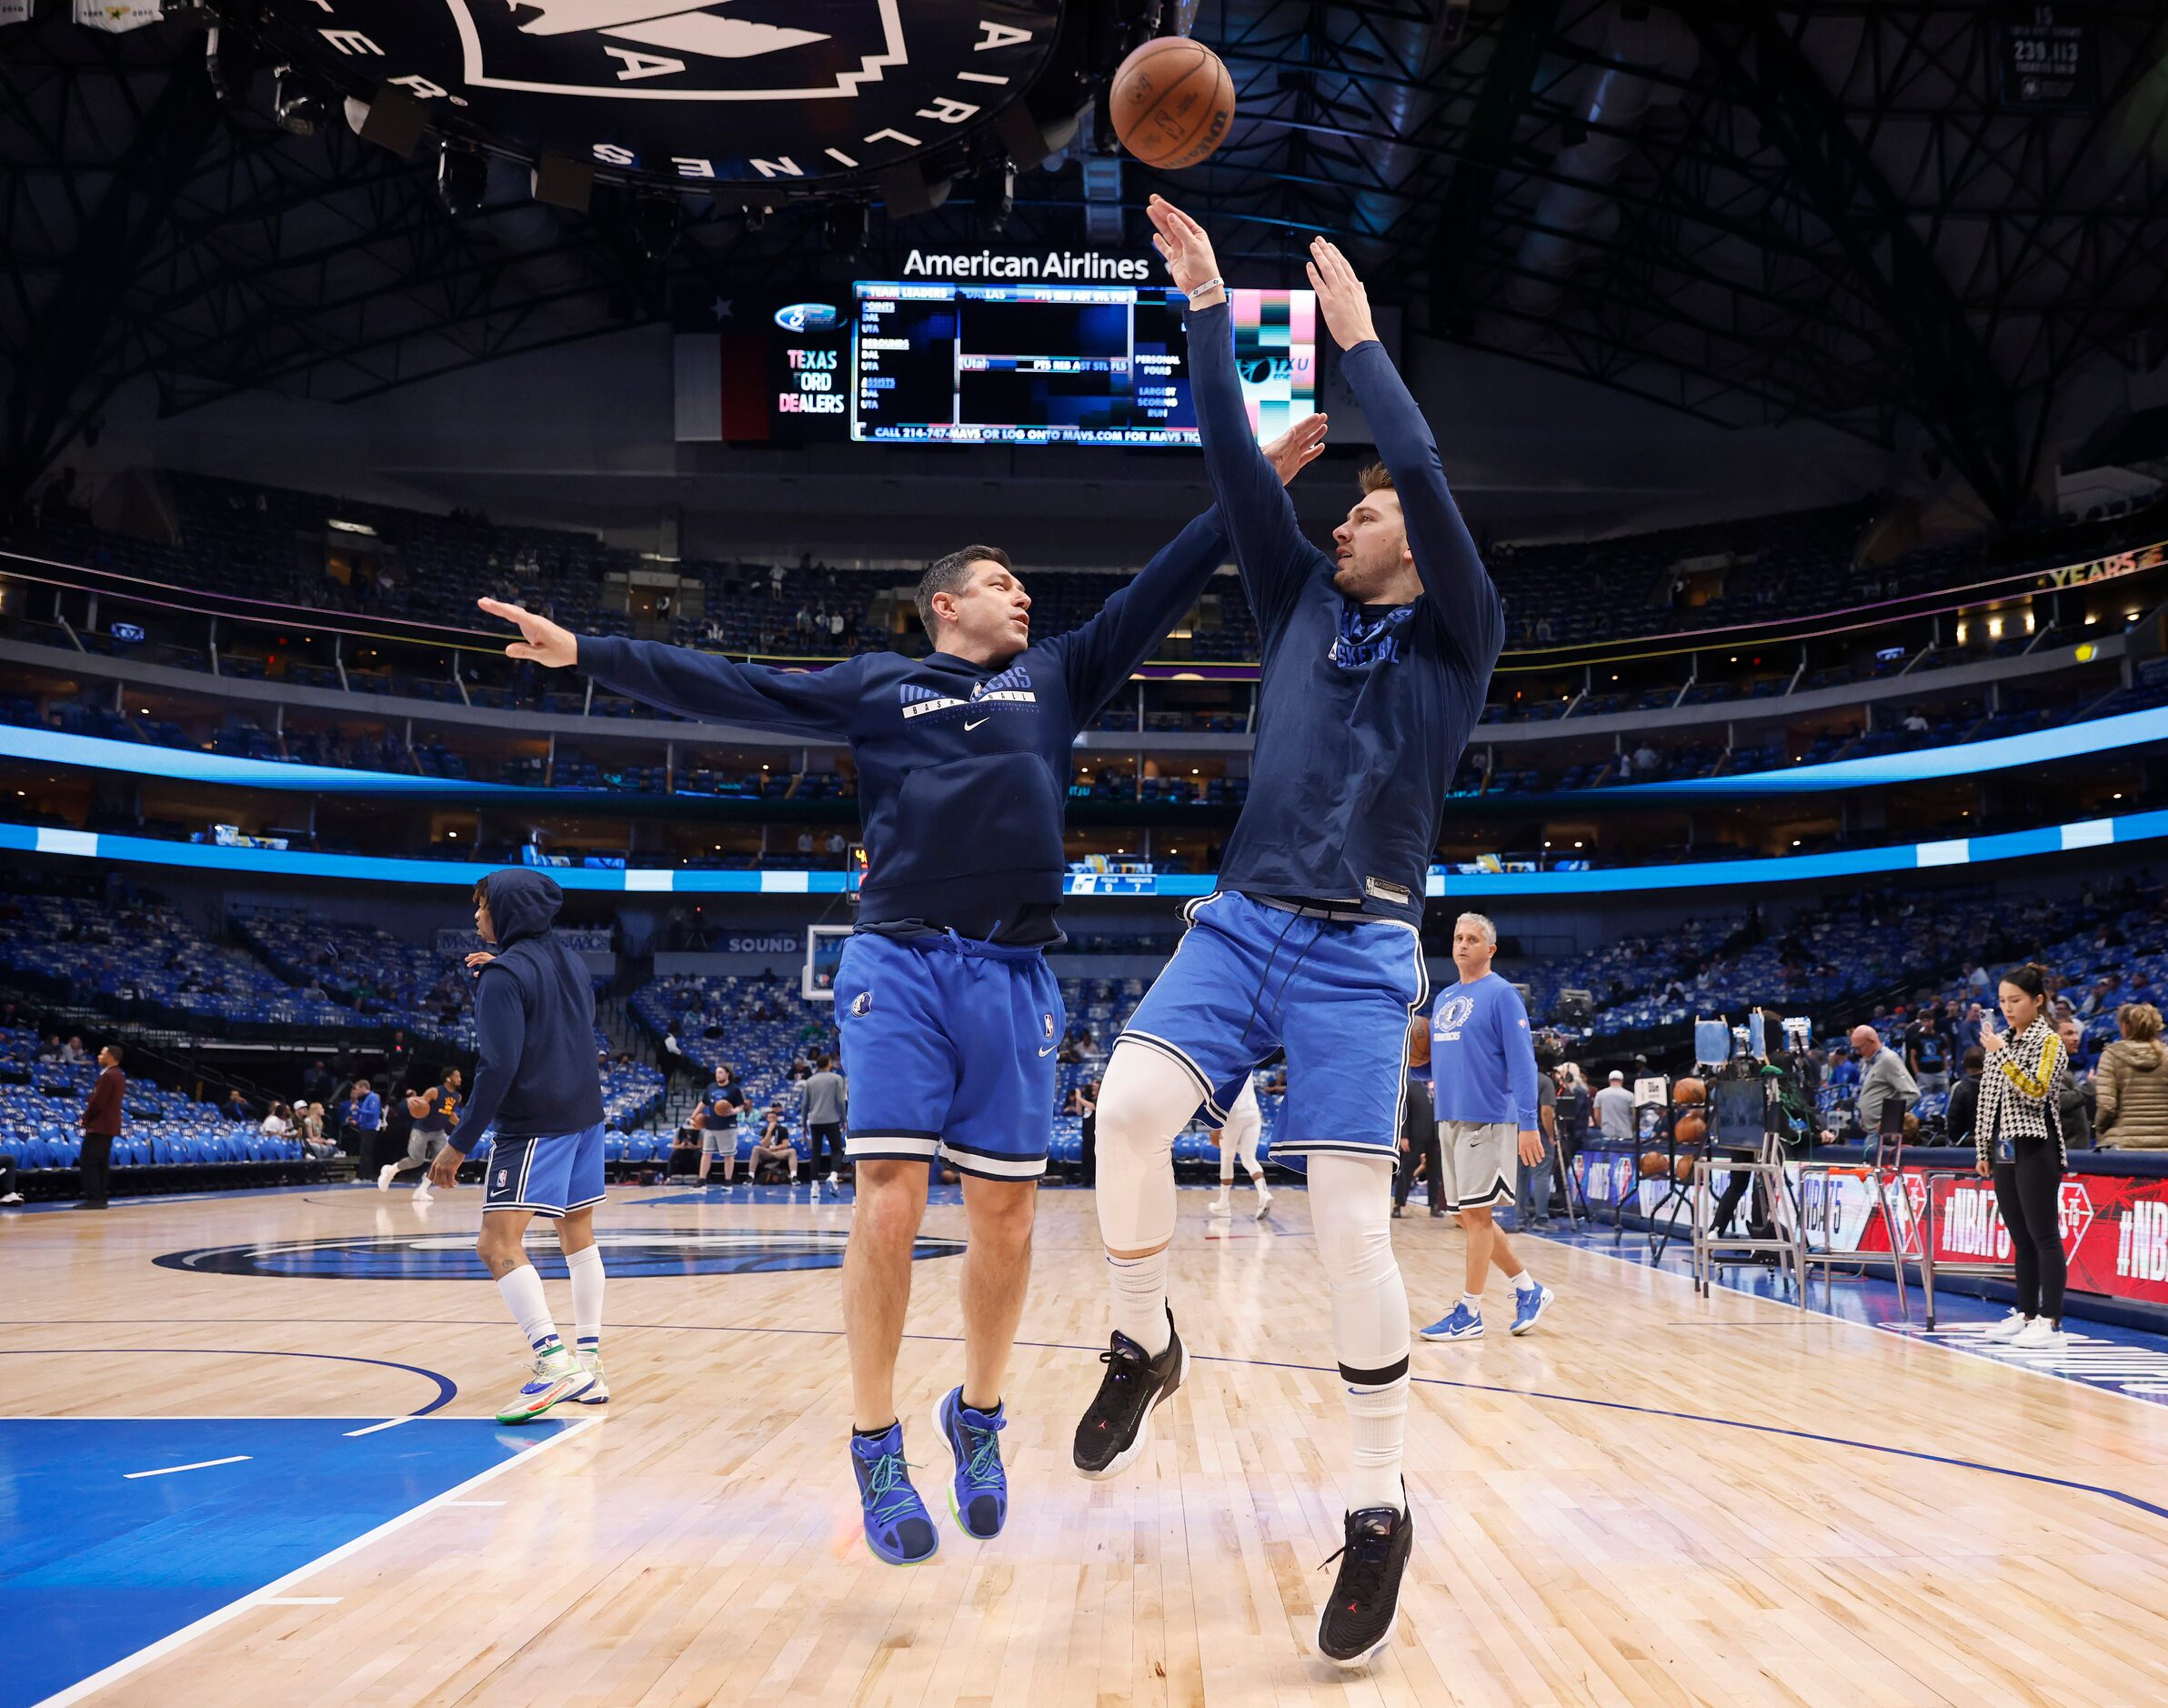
x=522, y=1291
x=1351, y=1202
x=1144, y=1102
x=585, y=1265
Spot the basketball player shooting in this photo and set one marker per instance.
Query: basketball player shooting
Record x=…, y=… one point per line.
x=948, y=1011
x=1377, y=656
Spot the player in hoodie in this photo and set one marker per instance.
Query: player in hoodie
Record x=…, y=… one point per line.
x=535, y=1081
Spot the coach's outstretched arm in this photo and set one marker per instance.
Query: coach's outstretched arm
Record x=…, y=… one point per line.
x=1101, y=656
x=1269, y=550
x=1444, y=551
x=816, y=703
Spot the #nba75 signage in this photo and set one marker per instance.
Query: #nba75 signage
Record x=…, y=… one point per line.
x=733, y=91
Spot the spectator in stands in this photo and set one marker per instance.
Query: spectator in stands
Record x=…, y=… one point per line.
x=1927, y=1052
x=1975, y=979
x=2131, y=1085
x=1965, y=1098
x=315, y=1084
x=51, y=1055
x=72, y=1052
x=311, y=1133
x=773, y=1148
x=2077, y=1087
x=1614, y=1109
x=278, y=1122
x=102, y=1118
x=1887, y=1088
x=236, y=1107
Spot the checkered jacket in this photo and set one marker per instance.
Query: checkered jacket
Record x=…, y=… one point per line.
x=2022, y=1091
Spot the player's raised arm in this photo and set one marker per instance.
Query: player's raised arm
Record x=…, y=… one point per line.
x=814, y=703
x=1445, y=555
x=1103, y=654
x=1269, y=550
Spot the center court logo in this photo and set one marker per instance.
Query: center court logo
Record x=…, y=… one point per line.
x=626, y=1252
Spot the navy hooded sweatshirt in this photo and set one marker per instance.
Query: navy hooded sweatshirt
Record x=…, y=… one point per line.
x=534, y=1021
x=963, y=768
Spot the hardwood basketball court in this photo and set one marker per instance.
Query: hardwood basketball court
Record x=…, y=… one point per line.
x=1652, y=1499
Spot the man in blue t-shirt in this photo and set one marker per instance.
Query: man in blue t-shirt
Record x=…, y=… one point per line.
x=1483, y=1065
x=1376, y=657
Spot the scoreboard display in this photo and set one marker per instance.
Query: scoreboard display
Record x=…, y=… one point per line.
x=935, y=362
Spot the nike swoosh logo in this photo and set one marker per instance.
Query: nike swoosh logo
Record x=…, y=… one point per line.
x=1048, y=1050
x=982, y=720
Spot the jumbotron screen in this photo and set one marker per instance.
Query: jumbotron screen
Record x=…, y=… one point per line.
x=1043, y=364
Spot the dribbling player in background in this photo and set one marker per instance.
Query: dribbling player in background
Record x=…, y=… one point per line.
x=1237, y=1138
x=535, y=1078
x=949, y=1014
x=1484, y=1078
x=435, y=1113
x=1375, y=660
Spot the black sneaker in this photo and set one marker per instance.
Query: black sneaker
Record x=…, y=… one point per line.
x=1357, y=1616
x=1117, y=1426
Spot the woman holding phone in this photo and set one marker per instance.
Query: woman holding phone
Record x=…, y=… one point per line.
x=2019, y=1142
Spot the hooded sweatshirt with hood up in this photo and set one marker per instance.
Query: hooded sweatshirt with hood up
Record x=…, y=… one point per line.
x=534, y=1021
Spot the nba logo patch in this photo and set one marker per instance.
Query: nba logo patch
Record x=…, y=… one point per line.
x=503, y=1177
x=862, y=1004
x=1047, y=1024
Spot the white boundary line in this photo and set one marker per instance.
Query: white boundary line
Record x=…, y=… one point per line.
x=388, y=1423
x=167, y=1644
x=1922, y=1339
x=201, y=1464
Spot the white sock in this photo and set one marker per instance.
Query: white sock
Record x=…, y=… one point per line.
x=1140, y=1298
x=587, y=1297
x=529, y=1305
x=1377, y=1420
x=1521, y=1281
x=1474, y=1301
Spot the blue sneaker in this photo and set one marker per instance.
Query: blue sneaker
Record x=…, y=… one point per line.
x=978, y=1491
x=1460, y=1323
x=1529, y=1303
x=897, y=1528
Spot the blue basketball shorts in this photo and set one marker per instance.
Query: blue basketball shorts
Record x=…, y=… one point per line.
x=552, y=1175
x=948, y=1046
x=1337, y=994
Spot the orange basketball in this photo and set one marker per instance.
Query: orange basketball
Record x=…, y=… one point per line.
x=1689, y=1090
x=1172, y=102
x=1692, y=1130
x=1685, y=1168
x=1418, y=1042
x=1654, y=1165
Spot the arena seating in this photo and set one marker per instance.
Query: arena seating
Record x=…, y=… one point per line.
x=170, y=1144
x=374, y=973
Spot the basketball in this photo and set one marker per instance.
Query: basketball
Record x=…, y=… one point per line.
x=1171, y=102
x=1683, y=1169
x=1654, y=1165
x=417, y=1107
x=1690, y=1090
x=1418, y=1042
x=1692, y=1129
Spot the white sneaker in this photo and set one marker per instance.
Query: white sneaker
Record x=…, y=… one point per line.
x=1219, y=1205
x=384, y=1176
x=2009, y=1329
x=814, y=1187
x=1264, y=1201
x=423, y=1195
x=829, y=1181
x=556, y=1378
x=11, y=1198
x=599, y=1394
x=2038, y=1335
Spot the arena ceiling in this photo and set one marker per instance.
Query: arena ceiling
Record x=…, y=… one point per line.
x=1857, y=214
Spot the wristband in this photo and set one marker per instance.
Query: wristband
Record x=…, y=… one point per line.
x=1212, y=284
